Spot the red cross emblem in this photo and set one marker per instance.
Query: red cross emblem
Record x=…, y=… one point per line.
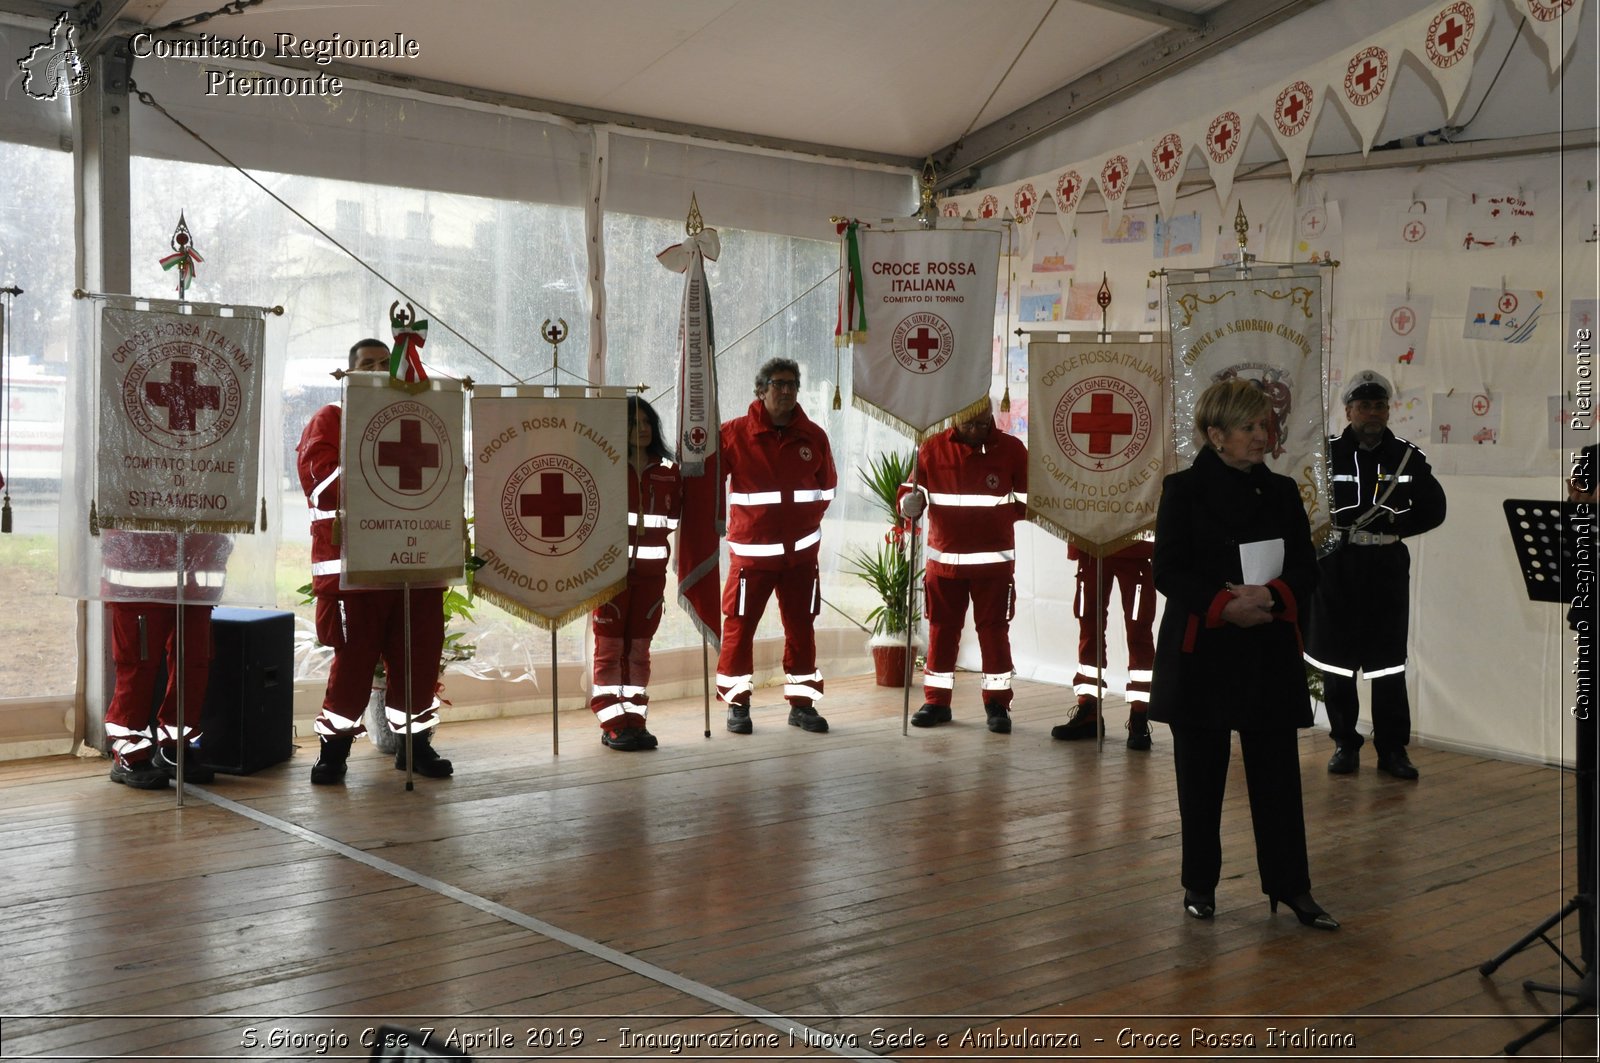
x=1024, y=201
x=1544, y=11
x=1366, y=76
x=552, y=504
x=989, y=207
x=697, y=438
x=1222, y=139
x=1413, y=232
x=1508, y=302
x=1102, y=423
x=950, y=210
x=409, y=454
x=1402, y=321
x=1112, y=175
x=923, y=342
x=1481, y=404
x=1068, y=187
x=182, y=396
x=1293, y=111
x=1166, y=156
x=1449, y=36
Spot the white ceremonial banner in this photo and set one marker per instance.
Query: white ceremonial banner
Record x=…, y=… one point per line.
x=404, y=487
x=1097, y=439
x=929, y=293
x=179, y=420
x=1555, y=23
x=1265, y=327
x=550, y=499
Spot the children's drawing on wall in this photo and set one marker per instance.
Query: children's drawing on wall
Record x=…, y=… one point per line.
x=1132, y=228
x=1054, y=251
x=1506, y=315
x=1408, y=414
x=1414, y=225
x=1581, y=321
x=1403, y=333
x=1497, y=220
x=1039, y=303
x=1081, y=305
x=1178, y=235
x=1466, y=415
x=1319, y=232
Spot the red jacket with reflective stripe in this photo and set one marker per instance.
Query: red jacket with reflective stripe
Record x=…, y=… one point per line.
x=143, y=565
x=657, y=492
x=997, y=470
x=759, y=458
x=318, y=465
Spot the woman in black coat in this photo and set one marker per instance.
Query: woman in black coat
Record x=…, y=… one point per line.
x=1228, y=656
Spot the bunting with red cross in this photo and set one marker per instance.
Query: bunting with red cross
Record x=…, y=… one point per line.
x=1097, y=439
x=550, y=499
x=923, y=359
x=403, y=498
x=179, y=420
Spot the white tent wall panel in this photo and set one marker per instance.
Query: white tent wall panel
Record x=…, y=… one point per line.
x=1489, y=670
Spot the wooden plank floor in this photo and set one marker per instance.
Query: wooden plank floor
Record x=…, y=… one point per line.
x=790, y=893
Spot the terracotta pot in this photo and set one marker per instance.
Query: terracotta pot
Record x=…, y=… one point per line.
x=890, y=664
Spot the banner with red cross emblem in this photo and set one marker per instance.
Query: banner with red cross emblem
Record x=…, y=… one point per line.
x=1097, y=439
x=179, y=420
x=404, y=484
x=924, y=360
x=550, y=499
x=1264, y=327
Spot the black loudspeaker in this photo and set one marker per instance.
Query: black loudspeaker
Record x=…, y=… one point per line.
x=248, y=718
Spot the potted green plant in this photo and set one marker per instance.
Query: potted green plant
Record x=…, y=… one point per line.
x=887, y=570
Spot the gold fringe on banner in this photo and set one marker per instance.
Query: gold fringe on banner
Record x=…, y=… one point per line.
x=394, y=577
x=1088, y=546
x=539, y=620
x=884, y=417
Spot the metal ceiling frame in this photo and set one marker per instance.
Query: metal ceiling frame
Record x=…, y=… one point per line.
x=1149, y=11
x=1146, y=65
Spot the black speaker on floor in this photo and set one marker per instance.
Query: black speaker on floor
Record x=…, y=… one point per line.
x=249, y=711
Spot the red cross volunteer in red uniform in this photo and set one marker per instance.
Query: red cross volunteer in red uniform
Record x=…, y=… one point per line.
x=1130, y=571
x=780, y=481
x=970, y=478
x=139, y=580
x=624, y=626
x=364, y=626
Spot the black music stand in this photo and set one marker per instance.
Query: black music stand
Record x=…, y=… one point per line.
x=1545, y=537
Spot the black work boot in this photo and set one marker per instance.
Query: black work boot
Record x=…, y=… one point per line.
x=1138, y=730
x=138, y=774
x=332, y=761
x=739, y=718
x=424, y=759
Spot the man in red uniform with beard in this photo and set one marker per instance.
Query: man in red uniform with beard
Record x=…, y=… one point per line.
x=969, y=480
x=363, y=626
x=781, y=480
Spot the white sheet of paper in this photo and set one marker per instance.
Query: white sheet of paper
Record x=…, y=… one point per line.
x=1262, y=561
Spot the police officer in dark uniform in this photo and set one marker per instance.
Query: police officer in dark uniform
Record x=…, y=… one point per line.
x=1383, y=491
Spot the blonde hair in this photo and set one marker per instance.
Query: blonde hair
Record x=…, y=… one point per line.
x=1226, y=405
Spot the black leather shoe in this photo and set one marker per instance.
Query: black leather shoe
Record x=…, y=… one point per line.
x=193, y=770
x=1085, y=723
x=1199, y=905
x=425, y=760
x=1345, y=760
x=739, y=718
x=999, y=721
x=332, y=762
x=1308, y=911
x=805, y=717
x=1398, y=765
x=629, y=740
x=930, y=715
x=1138, y=731
x=139, y=775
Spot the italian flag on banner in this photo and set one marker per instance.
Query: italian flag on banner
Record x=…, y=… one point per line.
x=923, y=358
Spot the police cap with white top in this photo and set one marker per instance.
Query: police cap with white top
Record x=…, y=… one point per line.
x=1367, y=384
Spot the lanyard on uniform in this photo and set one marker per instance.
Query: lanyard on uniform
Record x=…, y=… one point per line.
x=1377, y=503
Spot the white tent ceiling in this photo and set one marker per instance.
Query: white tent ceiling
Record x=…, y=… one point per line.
x=890, y=80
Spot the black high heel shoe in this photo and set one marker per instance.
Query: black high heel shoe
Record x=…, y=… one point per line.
x=1200, y=905
x=1308, y=911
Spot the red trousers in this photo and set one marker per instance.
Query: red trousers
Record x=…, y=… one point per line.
x=623, y=628
x=993, y=604
x=363, y=627
x=143, y=637
x=1134, y=580
x=744, y=599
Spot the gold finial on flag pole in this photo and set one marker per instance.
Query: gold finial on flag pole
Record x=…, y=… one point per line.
x=1241, y=229
x=555, y=335
x=927, y=214
x=694, y=224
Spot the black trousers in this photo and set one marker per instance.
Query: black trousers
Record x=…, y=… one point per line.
x=1391, y=711
x=1272, y=777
